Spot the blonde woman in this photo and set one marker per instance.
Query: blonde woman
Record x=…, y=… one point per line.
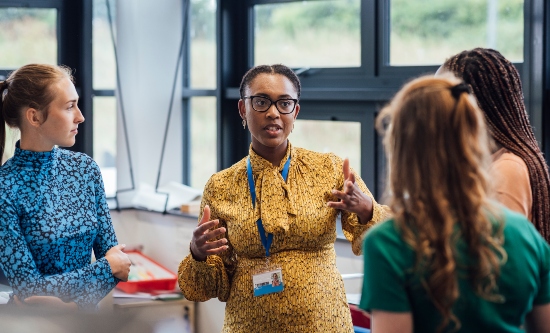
x=53, y=210
x=450, y=260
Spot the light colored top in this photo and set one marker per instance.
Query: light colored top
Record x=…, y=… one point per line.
x=304, y=229
x=391, y=283
x=511, y=182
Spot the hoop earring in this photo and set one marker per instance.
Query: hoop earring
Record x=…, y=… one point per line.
x=244, y=123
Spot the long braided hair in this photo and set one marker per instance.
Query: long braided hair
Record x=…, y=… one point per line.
x=497, y=87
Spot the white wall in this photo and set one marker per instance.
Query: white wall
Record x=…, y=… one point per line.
x=148, y=39
x=165, y=238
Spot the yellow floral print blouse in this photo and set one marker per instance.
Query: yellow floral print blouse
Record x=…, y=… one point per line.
x=304, y=232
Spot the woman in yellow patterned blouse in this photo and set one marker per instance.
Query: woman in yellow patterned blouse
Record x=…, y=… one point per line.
x=275, y=212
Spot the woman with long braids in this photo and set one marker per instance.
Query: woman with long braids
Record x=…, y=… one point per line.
x=450, y=260
x=519, y=170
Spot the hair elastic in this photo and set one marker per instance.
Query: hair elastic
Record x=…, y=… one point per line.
x=460, y=88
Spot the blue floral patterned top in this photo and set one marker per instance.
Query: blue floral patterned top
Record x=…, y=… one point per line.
x=53, y=211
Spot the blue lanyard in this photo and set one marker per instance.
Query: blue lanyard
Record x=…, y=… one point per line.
x=266, y=240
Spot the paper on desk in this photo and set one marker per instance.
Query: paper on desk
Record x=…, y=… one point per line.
x=5, y=292
x=179, y=194
x=121, y=294
x=159, y=295
x=4, y=297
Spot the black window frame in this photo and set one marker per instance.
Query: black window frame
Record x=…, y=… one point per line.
x=371, y=85
x=74, y=23
x=39, y=4
x=188, y=93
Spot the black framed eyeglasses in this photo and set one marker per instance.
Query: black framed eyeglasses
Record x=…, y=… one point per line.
x=262, y=104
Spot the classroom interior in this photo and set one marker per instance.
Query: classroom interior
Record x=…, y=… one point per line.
x=159, y=85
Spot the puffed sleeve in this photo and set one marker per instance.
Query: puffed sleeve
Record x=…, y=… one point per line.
x=353, y=230
x=202, y=280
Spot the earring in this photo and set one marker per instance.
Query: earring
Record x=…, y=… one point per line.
x=292, y=128
x=244, y=123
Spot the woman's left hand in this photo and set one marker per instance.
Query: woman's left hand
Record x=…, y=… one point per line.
x=352, y=198
x=49, y=301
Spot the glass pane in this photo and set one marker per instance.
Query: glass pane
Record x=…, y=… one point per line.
x=104, y=65
x=28, y=36
x=428, y=32
x=12, y=135
x=105, y=120
x=203, y=140
x=203, y=44
x=312, y=135
x=308, y=34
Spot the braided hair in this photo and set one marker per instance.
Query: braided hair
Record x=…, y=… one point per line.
x=497, y=87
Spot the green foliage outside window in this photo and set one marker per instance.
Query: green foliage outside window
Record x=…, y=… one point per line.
x=308, y=33
x=427, y=31
x=323, y=16
x=27, y=35
x=444, y=19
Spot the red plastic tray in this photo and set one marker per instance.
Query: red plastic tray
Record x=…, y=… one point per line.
x=358, y=317
x=154, y=276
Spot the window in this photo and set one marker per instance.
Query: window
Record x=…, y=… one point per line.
x=308, y=34
x=203, y=44
x=352, y=56
x=104, y=64
x=105, y=141
x=28, y=35
x=104, y=102
x=200, y=90
x=342, y=138
x=203, y=140
x=427, y=32
x=12, y=135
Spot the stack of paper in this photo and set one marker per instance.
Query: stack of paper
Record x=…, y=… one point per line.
x=169, y=196
x=5, y=292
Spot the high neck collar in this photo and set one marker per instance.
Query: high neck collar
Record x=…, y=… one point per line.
x=259, y=163
x=29, y=157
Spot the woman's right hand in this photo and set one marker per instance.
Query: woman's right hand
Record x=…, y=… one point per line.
x=119, y=261
x=203, y=243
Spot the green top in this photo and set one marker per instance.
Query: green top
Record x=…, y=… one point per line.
x=390, y=284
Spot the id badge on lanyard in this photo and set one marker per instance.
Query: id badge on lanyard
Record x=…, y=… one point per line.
x=270, y=279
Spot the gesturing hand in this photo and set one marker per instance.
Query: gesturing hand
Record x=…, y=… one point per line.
x=203, y=243
x=352, y=198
